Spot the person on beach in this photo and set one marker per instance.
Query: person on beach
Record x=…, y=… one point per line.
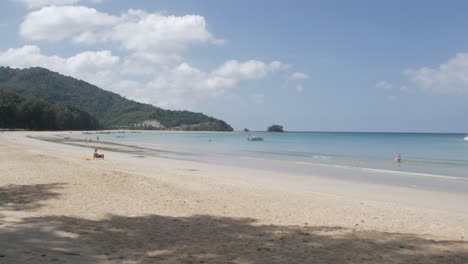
x=97, y=155
x=398, y=158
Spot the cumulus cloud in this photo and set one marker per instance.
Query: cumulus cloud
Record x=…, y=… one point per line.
x=185, y=83
x=142, y=31
x=135, y=30
x=180, y=85
x=151, y=67
x=41, y=3
x=185, y=77
x=27, y=56
x=451, y=77
x=60, y=22
x=100, y=68
x=96, y=67
x=299, y=75
x=384, y=85
x=252, y=69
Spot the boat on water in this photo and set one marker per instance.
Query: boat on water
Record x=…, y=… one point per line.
x=255, y=138
x=466, y=138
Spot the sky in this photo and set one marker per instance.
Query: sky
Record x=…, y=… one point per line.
x=394, y=66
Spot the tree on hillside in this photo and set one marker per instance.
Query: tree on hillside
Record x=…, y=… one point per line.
x=275, y=128
x=25, y=112
x=110, y=109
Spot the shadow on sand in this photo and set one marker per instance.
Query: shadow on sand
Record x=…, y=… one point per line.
x=202, y=239
x=27, y=197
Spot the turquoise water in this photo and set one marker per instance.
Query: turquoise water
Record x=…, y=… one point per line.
x=438, y=154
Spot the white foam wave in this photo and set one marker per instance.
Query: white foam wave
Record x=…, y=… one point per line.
x=322, y=157
x=403, y=173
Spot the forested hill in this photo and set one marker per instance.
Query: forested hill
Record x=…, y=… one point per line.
x=25, y=112
x=111, y=109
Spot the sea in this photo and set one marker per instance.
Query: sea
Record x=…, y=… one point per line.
x=434, y=155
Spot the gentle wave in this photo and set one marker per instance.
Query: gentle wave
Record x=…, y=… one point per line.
x=403, y=173
x=385, y=171
x=131, y=144
x=329, y=157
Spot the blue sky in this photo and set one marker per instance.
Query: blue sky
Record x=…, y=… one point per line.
x=308, y=65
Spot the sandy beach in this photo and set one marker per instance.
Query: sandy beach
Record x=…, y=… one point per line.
x=57, y=207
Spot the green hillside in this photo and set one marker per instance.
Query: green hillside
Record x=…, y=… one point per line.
x=23, y=112
x=111, y=109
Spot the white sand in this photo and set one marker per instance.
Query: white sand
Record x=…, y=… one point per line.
x=55, y=206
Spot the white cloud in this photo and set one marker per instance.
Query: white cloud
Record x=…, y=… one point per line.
x=451, y=77
x=60, y=22
x=27, y=56
x=299, y=88
x=180, y=85
x=142, y=63
x=135, y=30
x=384, y=85
x=299, y=75
x=184, y=83
x=142, y=31
x=41, y=3
x=185, y=78
x=89, y=61
x=252, y=69
x=152, y=68
x=95, y=67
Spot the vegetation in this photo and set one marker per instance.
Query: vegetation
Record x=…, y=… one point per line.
x=21, y=112
x=275, y=128
x=246, y=130
x=112, y=110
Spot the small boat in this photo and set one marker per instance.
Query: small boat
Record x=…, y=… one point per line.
x=255, y=138
x=466, y=138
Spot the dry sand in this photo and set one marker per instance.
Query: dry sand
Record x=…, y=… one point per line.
x=57, y=207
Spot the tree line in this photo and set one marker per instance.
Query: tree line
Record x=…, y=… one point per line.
x=26, y=112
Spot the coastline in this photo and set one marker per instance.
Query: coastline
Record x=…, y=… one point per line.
x=368, y=151
x=144, y=196
x=409, y=179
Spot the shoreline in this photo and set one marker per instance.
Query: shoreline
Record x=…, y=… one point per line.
x=350, y=179
x=354, y=174
x=448, y=168
x=259, y=216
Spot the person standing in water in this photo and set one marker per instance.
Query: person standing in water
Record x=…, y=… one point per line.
x=398, y=157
